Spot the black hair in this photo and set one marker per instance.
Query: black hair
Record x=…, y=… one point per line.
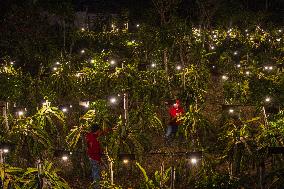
x=95, y=127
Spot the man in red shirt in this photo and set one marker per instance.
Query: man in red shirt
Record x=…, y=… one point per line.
x=175, y=111
x=95, y=151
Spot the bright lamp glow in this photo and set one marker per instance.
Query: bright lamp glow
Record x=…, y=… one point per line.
x=153, y=65
x=236, y=53
x=82, y=51
x=247, y=72
x=6, y=150
x=231, y=111
x=224, y=77
x=193, y=160
x=137, y=25
x=55, y=68
x=92, y=61
x=112, y=62
x=64, y=110
x=125, y=161
x=267, y=99
x=20, y=113
x=178, y=67
x=64, y=157
x=113, y=100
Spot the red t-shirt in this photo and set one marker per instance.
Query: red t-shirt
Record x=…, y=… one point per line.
x=174, y=113
x=94, y=150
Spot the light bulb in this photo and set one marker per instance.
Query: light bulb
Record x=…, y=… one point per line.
x=214, y=36
x=92, y=61
x=238, y=65
x=125, y=161
x=224, y=77
x=178, y=67
x=113, y=100
x=137, y=25
x=82, y=29
x=270, y=68
x=82, y=51
x=279, y=31
x=266, y=67
x=153, y=65
x=193, y=160
x=65, y=158
x=20, y=113
x=231, y=111
x=6, y=150
x=112, y=62
x=236, y=52
x=57, y=63
x=267, y=99
x=64, y=110
x=55, y=68
x=279, y=39
x=212, y=47
x=247, y=72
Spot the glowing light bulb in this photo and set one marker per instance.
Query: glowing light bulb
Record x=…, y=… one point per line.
x=214, y=36
x=266, y=67
x=113, y=100
x=112, y=62
x=270, y=68
x=57, y=63
x=193, y=160
x=247, y=72
x=125, y=161
x=153, y=65
x=224, y=77
x=267, y=99
x=246, y=30
x=212, y=47
x=236, y=53
x=20, y=113
x=231, y=111
x=82, y=29
x=64, y=109
x=92, y=61
x=82, y=51
x=279, y=31
x=279, y=39
x=238, y=65
x=178, y=67
x=55, y=68
x=137, y=25
x=213, y=66
x=6, y=150
x=65, y=158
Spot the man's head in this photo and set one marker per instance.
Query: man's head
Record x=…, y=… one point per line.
x=95, y=128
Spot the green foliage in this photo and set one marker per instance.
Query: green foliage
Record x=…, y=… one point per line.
x=158, y=180
x=28, y=178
